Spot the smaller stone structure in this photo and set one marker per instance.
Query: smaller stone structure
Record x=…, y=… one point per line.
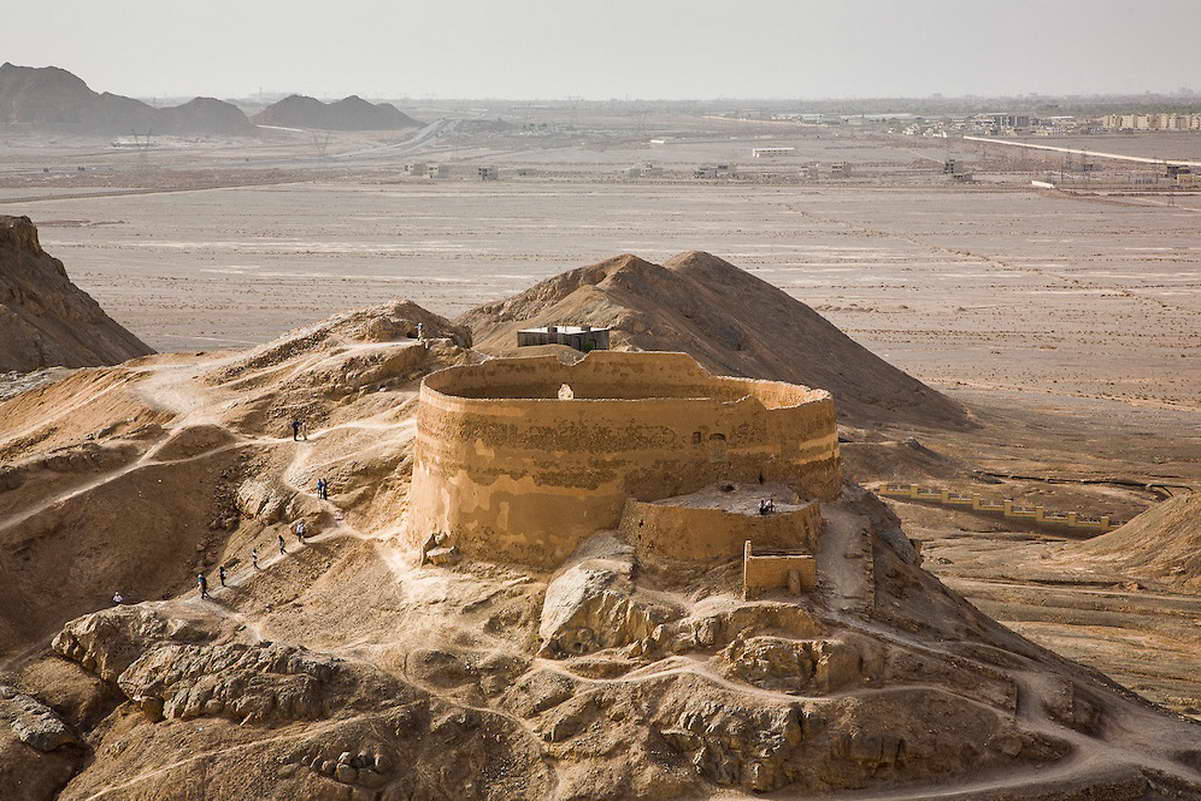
x=581, y=337
x=712, y=524
x=777, y=570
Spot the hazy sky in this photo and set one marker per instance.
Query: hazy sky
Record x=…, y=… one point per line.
x=611, y=48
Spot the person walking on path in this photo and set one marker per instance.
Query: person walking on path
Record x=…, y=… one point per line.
x=300, y=531
x=323, y=489
x=118, y=598
x=282, y=548
x=203, y=583
x=254, y=557
x=221, y=574
x=295, y=430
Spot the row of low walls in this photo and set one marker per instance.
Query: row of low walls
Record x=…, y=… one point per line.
x=1002, y=508
x=684, y=533
x=511, y=471
x=770, y=572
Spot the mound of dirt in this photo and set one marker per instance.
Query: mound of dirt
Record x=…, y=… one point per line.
x=351, y=113
x=53, y=98
x=45, y=320
x=1163, y=542
x=731, y=321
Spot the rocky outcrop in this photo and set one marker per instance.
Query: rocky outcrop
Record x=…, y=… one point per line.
x=351, y=113
x=246, y=683
x=34, y=723
x=45, y=319
x=38, y=750
x=109, y=641
x=264, y=500
x=400, y=321
x=54, y=99
x=591, y=604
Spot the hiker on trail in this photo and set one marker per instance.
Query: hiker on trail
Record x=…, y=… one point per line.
x=323, y=489
x=300, y=529
x=295, y=430
x=221, y=574
x=203, y=583
x=421, y=332
x=282, y=548
x=304, y=430
x=254, y=557
x=767, y=506
x=118, y=598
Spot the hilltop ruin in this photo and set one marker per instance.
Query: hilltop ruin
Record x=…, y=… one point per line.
x=634, y=427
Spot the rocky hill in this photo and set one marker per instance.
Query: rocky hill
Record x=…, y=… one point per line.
x=731, y=321
x=1162, y=543
x=341, y=667
x=53, y=98
x=351, y=113
x=45, y=320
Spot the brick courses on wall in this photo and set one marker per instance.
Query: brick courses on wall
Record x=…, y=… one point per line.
x=683, y=533
x=512, y=472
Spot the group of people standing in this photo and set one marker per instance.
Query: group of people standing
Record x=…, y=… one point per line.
x=299, y=528
x=300, y=431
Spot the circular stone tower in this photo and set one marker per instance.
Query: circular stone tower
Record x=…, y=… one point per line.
x=520, y=459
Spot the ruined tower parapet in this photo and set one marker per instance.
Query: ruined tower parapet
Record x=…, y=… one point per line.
x=509, y=470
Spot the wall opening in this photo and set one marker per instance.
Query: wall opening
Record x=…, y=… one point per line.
x=717, y=447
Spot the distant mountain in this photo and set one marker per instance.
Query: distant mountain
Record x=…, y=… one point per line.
x=53, y=98
x=731, y=321
x=348, y=114
x=45, y=320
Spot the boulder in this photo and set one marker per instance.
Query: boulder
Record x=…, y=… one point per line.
x=34, y=723
x=593, y=604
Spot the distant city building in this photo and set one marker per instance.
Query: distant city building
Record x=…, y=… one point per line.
x=581, y=337
x=437, y=171
x=770, y=152
x=715, y=171
x=488, y=173
x=840, y=169
x=1153, y=122
x=416, y=168
x=647, y=170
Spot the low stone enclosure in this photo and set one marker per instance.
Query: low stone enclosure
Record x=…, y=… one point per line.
x=510, y=464
x=1035, y=515
x=714, y=523
x=769, y=571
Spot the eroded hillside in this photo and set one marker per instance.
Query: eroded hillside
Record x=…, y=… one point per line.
x=342, y=667
x=45, y=320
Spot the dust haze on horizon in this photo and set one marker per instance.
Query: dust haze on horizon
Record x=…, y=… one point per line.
x=665, y=49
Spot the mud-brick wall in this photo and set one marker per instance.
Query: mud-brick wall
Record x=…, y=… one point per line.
x=769, y=573
x=511, y=472
x=688, y=533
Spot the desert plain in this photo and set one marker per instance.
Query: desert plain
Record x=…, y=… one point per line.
x=1067, y=323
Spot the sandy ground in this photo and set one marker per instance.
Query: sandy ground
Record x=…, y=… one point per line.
x=987, y=289
x=1071, y=325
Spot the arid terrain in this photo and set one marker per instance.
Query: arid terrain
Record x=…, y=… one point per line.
x=1055, y=340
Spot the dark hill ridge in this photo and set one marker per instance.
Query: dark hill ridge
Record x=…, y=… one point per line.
x=53, y=98
x=46, y=320
x=730, y=320
x=351, y=113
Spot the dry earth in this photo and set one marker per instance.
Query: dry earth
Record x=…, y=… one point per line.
x=1066, y=325
x=339, y=667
